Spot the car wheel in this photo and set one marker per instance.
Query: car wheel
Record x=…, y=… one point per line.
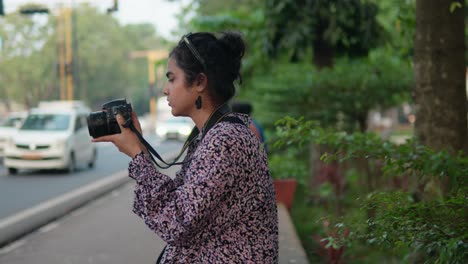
x=71, y=164
x=12, y=171
x=92, y=162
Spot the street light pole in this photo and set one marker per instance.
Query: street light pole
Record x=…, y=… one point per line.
x=69, y=52
x=61, y=56
x=65, y=50
x=154, y=74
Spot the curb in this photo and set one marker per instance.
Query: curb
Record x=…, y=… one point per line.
x=290, y=247
x=32, y=218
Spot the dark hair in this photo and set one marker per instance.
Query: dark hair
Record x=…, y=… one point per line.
x=221, y=56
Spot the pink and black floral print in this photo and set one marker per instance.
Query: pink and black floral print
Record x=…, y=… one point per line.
x=221, y=206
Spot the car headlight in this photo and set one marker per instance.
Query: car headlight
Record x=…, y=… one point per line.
x=60, y=144
x=10, y=143
x=185, y=131
x=161, y=131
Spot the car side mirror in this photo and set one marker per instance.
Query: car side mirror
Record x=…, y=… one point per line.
x=17, y=124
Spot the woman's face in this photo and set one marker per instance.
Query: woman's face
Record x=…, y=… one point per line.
x=181, y=97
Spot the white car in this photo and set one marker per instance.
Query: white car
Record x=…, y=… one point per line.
x=175, y=128
x=53, y=136
x=8, y=127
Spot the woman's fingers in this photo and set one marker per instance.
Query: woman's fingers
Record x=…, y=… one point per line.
x=120, y=121
x=109, y=138
x=135, y=121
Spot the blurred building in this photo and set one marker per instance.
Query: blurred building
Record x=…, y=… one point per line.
x=10, y=106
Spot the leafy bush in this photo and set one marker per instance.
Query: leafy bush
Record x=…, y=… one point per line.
x=288, y=165
x=425, y=222
x=436, y=230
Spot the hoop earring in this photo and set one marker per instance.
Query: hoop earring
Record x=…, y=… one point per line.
x=198, y=102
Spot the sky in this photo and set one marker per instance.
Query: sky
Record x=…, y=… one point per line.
x=160, y=13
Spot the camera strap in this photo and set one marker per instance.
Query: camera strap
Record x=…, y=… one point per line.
x=218, y=115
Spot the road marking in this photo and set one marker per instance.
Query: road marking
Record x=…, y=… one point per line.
x=8, y=248
x=48, y=227
x=79, y=211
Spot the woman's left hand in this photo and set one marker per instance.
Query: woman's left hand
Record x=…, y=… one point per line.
x=126, y=141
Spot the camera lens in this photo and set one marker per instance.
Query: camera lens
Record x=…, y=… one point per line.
x=97, y=124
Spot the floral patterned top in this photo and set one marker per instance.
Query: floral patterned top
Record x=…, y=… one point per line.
x=220, y=208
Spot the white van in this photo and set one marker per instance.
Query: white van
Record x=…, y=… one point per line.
x=8, y=127
x=53, y=136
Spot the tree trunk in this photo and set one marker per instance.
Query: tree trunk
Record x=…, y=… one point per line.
x=323, y=54
x=440, y=93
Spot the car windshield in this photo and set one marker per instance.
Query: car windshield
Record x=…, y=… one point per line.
x=54, y=122
x=178, y=120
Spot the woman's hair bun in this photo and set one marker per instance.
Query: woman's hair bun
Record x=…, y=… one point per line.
x=234, y=44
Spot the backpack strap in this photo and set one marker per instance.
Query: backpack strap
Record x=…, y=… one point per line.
x=233, y=120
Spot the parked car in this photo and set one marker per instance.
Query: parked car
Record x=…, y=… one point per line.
x=8, y=127
x=53, y=136
x=174, y=128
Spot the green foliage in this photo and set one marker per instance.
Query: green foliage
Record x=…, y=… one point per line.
x=454, y=5
x=430, y=226
x=341, y=96
x=289, y=164
x=398, y=19
x=214, y=7
x=348, y=26
x=21, y=78
x=408, y=158
x=437, y=230
x=250, y=23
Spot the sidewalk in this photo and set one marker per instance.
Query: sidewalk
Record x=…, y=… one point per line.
x=106, y=231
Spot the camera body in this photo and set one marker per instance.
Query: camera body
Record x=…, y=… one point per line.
x=102, y=123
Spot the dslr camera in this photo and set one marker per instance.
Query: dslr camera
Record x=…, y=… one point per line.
x=102, y=123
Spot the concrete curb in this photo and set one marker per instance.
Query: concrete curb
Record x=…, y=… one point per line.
x=290, y=247
x=27, y=220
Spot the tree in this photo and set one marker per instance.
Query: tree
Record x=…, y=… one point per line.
x=28, y=59
x=215, y=7
x=330, y=28
x=398, y=23
x=439, y=63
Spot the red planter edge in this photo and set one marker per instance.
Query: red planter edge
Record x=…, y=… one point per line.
x=285, y=190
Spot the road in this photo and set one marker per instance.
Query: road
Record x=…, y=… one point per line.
x=29, y=188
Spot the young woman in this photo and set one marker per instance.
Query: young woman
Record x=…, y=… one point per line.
x=221, y=206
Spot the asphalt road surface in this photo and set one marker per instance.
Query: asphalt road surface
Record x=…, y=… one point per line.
x=29, y=188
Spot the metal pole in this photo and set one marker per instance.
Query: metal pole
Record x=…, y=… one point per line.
x=61, y=47
x=69, y=54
